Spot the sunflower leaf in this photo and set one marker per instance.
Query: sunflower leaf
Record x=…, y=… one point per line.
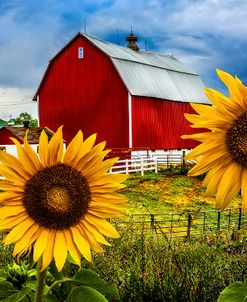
x=235, y=292
x=85, y=294
x=91, y=279
x=6, y=289
x=23, y=293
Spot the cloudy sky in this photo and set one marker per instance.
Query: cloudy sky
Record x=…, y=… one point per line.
x=203, y=34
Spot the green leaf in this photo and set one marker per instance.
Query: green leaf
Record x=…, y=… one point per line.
x=235, y=292
x=6, y=289
x=33, y=284
x=11, y=298
x=91, y=279
x=23, y=293
x=51, y=298
x=71, y=260
x=85, y=294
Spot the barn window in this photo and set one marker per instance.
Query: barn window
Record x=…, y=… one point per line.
x=80, y=52
x=3, y=149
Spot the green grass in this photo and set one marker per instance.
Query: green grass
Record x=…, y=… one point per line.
x=165, y=193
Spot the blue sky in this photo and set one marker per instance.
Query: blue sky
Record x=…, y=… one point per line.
x=203, y=34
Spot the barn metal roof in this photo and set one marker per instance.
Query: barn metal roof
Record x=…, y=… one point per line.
x=153, y=74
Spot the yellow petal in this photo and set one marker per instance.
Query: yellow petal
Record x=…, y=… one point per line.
x=244, y=189
x=44, y=148
x=232, y=86
x=9, y=223
x=81, y=243
x=85, y=147
x=11, y=161
x=56, y=147
x=4, y=185
x=40, y=244
x=216, y=175
x=91, y=239
x=102, y=225
x=216, y=143
x=201, y=137
x=11, y=211
x=32, y=154
x=48, y=252
x=209, y=161
x=106, y=213
x=73, y=148
x=60, y=250
x=73, y=250
x=17, y=232
x=96, y=233
x=25, y=241
x=109, y=178
x=11, y=175
x=229, y=185
x=24, y=157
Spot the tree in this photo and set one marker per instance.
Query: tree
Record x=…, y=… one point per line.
x=25, y=117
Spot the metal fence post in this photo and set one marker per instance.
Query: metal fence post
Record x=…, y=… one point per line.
x=189, y=225
x=218, y=222
x=152, y=222
x=239, y=218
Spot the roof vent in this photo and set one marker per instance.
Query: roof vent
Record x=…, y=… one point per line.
x=131, y=39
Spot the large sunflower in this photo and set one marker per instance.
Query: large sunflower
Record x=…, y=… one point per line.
x=223, y=149
x=58, y=202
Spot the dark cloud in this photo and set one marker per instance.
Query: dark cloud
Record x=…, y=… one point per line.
x=204, y=34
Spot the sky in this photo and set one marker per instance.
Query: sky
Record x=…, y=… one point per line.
x=202, y=34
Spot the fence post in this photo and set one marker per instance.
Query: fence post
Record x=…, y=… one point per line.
x=189, y=225
x=152, y=222
x=142, y=167
x=229, y=219
x=218, y=221
x=156, y=164
x=239, y=218
x=183, y=162
x=127, y=166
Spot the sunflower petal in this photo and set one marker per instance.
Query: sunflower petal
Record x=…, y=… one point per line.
x=60, y=250
x=229, y=185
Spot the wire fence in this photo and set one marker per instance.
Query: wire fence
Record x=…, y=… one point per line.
x=188, y=224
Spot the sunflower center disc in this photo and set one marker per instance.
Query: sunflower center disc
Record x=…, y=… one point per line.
x=57, y=197
x=236, y=140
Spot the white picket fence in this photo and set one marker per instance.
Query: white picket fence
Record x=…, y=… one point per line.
x=135, y=165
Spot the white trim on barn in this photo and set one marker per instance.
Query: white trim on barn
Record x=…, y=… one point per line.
x=130, y=119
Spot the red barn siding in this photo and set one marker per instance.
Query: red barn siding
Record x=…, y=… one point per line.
x=159, y=124
x=5, y=137
x=85, y=94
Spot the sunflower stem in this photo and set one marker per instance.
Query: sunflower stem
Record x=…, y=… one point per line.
x=40, y=282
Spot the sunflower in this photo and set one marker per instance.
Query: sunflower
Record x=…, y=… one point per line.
x=223, y=149
x=58, y=201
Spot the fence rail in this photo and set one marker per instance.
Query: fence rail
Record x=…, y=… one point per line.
x=135, y=165
x=188, y=224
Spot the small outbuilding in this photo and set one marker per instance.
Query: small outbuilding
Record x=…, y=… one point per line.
x=133, y=99
x=6, y=132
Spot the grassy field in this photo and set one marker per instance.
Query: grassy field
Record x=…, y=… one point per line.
x=166, y=192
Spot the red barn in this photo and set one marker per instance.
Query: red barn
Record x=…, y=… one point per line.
x=133, y=99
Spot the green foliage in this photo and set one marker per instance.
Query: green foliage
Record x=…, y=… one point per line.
x=235, y=292
x=26, y=117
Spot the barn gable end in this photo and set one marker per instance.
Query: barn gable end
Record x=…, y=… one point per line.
x=84, y=93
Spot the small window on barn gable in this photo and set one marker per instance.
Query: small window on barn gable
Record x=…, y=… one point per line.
x=80, y=52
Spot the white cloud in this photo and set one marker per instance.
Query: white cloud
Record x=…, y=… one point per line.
x=14, y=101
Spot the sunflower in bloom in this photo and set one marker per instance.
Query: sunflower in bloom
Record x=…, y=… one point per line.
x=58, y=201
x=223, y=149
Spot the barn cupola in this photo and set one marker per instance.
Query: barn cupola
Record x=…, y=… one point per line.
x=132, y=39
